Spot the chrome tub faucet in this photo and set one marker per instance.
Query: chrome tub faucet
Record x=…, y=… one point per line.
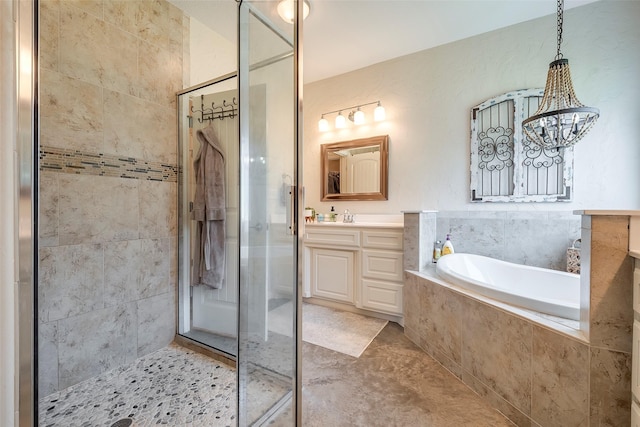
x=347, y=217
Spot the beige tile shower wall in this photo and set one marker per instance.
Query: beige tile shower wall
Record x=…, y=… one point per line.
x=109, y=71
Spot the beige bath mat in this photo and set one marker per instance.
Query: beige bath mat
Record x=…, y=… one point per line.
x=337, y=330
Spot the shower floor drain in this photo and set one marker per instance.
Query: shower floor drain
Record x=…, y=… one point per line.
x=125, y=422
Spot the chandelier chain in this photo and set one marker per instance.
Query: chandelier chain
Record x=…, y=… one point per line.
x=559, y=22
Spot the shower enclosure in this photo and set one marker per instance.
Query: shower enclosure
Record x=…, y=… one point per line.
x=251, y=116
x=102, y=160
x=208, y=315
x=270, y=128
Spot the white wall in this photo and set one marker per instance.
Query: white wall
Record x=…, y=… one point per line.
x=211, y=54
x=428, y=97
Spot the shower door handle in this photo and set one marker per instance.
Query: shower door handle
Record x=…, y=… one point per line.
x=258, y=227
x=291, y=217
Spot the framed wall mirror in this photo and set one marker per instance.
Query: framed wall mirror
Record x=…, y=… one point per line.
x=356, y=170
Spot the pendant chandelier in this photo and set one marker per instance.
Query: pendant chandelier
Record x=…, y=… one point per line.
x=561, y=120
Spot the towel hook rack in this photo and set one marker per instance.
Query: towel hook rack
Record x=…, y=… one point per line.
x=226, y=110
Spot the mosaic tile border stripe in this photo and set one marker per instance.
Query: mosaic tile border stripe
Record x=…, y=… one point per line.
x=63, y=160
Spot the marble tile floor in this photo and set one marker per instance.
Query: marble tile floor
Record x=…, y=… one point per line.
x=393, y=383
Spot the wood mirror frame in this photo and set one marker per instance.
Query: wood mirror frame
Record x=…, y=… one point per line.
x=381, y=142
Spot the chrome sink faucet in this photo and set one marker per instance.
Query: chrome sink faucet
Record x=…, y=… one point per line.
x=347, y=217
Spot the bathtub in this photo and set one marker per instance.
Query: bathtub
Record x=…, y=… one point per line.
x=546, y=291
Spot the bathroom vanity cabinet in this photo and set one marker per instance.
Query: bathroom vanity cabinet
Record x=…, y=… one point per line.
x=355, y=267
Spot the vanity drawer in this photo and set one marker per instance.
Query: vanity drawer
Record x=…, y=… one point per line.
x=332, y=237
x=383, y=265
x=382, y=239
x=382, y=296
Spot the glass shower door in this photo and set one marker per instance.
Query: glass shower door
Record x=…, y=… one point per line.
x=208, y=315
x=268, y=344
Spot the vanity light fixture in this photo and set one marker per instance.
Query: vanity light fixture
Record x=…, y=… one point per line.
x=323, y=124
x=286, y=7
x=356, y=115
x=379, y=114
x=561, y=120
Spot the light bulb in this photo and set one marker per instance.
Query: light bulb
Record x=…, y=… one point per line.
x=341, y=122
x=286, y=10
x=574, y=124
x=379, y=113
x=358, y=117
x=323, y=125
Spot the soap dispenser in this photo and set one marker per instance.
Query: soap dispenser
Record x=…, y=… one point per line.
x=437, y=251
x=447, y=248
x=332, y=214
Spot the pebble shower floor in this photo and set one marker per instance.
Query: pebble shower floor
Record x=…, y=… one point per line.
x=172, y=386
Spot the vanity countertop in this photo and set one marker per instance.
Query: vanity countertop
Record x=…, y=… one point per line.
x=355, y=224
x=364, y=220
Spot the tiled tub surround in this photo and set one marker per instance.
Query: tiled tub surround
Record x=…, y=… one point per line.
x=507, y=358
x=535, y=371
x=539, y=238
x=109, y=71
